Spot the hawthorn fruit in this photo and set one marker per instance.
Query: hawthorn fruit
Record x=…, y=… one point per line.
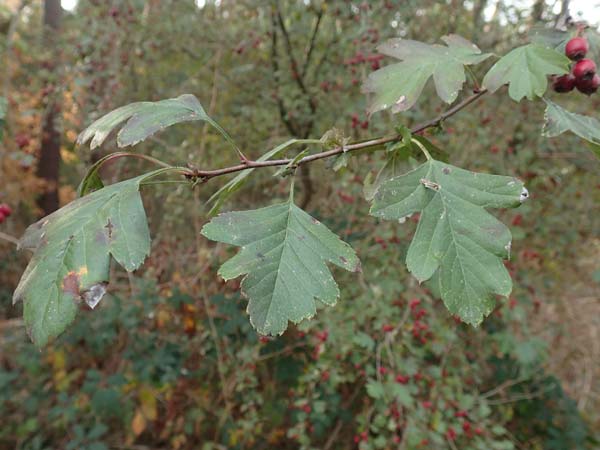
x=585, y=68
x=564, y=83
x=588, y=86
x=576, y=48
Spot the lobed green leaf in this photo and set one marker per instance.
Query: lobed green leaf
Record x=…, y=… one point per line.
x=283, y=257
x=399, y=85
x=143, y=119
x=525, y=70
x=72, y=249
x=558, y=120
x=458, y=244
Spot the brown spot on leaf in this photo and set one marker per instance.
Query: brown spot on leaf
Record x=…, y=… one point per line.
x=446, y=171
x=344, y=260
x=70, y=284
x=109, y=226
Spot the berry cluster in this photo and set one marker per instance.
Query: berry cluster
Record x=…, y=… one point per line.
x=5, y=211
x=583, y=74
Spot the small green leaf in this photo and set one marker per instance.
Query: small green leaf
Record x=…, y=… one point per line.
x=397, y=157
x=525, y=70
x=283, y=255
x=399, y=85
x=290, y=167
x=550, y=37
x=72, y=249
x=394, y=166
x=457, y=241
x=92, y=181
x=334, y=138
x=375, y=389
x=146, y=118
x=559, y=120
x=406, y=134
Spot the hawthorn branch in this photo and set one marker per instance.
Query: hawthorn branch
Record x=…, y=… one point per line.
x=283, y=113
x=311, y=46
x=205, y=175
x=290, y=51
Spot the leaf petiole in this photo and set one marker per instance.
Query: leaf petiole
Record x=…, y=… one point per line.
x=422, y=147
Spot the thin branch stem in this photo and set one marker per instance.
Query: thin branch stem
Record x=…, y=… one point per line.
x=311, y=46
x=206, y=175
x=9, y=238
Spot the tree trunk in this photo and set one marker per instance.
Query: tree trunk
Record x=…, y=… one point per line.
x=49, y=161
x=537, y=11
x=478, y=9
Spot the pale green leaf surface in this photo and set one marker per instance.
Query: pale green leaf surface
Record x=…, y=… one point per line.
x=143, y=119
x=457, y=241
x=397, y=157
x=283, y=254
x=71, y=259
x=525, y=69
x=559, y=120
x=399, y=85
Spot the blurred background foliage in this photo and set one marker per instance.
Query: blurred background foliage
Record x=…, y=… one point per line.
x=169, y=359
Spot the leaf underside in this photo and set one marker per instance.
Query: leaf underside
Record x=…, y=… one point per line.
x=72, y=249
x=559, y=120
x=458, y=244
x=399, y=85
x=525, y=70
x=143, y=119
x=283, y=255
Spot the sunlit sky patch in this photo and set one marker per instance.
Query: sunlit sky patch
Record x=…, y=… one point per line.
x=588, y=10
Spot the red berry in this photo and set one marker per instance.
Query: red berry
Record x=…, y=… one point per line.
x=307, y=409
x=322, y=335
x=427, y=404
x=402, y=379
x=565, y=83
x=478, y=431
x=460, y=414
x=586, y=68
x=576, y=48
x=588, y=85
x=451, y=434
x=414, y=303
x=2, y=217
x=5, y=210
x=517, y=220
x=387, y=328
x=21, y=140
